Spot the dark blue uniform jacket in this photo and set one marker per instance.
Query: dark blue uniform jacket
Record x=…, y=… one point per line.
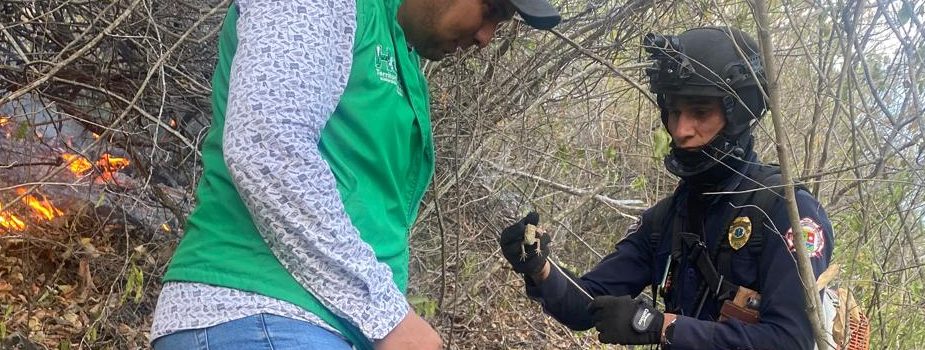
x=634, y=265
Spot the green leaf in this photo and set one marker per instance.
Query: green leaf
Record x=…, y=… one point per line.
x=134, y=284
x=661, y=141
x=563, y=152
x=424, y=306
x=639, y=183
x=22, y=130
x=139, y=277
x=611, y=153
x=6, y=316
x=99, y=201
x=92, y=335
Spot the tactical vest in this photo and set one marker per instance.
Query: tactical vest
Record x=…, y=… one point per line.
x=755, y=197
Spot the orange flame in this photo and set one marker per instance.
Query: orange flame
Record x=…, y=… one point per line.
x=42, y=208
x=11, y=222
x=112, y=164
x=173, y=123
x=108, y=164
x=77, y=164
x=4, y=121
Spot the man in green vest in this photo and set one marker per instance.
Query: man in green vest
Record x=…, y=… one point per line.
x=318, y=156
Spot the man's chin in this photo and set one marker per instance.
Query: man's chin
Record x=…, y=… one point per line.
x=433, y=55
x=691, y=148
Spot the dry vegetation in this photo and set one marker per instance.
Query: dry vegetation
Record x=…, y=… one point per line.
x=551, y=121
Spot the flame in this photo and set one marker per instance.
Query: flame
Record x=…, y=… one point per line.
x=42, y=208
x=11, y=222
x=165, y=227
x=77, y=164
x=173, y=123
x=108, y=164
x=112, y=164
x=4, y=121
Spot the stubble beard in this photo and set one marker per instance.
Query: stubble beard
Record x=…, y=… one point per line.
x=421, y=26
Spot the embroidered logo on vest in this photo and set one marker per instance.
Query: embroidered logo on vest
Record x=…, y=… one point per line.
x=385, y=66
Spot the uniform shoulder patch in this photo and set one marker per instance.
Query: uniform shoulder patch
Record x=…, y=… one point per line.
x=815, y=238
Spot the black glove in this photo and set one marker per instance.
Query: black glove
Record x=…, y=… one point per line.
x=526, y=259
x=624, y=320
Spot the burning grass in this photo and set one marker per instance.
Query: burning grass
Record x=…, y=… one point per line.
x=10, y=221
x=107, y=165
x=40, y=208
x=78, y=165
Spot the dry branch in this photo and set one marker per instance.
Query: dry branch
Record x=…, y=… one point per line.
x=813, y=305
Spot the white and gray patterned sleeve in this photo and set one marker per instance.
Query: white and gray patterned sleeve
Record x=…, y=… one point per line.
x=291, y=66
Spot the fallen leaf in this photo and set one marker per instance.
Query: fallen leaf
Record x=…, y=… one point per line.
x=5, y=287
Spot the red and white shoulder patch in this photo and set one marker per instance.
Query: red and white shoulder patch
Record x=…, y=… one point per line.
x=815, y=238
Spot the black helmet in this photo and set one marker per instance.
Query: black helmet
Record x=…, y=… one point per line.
x=709, y=61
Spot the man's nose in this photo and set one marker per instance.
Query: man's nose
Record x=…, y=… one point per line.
x=687, y=127
x=485, y=33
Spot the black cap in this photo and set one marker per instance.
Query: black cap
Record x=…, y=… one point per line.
x=538, y=14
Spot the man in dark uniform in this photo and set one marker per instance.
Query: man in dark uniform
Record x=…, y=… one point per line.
x=718, y=250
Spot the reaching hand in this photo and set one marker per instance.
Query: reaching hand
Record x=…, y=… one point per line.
x=525, y=258
x=624, y=320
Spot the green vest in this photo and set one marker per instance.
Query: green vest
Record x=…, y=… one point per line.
x=377, y=143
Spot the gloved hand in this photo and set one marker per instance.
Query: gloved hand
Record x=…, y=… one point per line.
x=627, y=321
x=526, y=259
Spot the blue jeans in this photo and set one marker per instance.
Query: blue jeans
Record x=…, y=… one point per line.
x=261, y=331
